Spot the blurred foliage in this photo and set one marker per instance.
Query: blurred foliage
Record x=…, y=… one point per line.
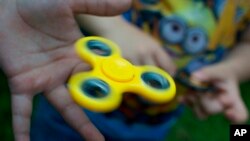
x=215, y=128
x=5, y=112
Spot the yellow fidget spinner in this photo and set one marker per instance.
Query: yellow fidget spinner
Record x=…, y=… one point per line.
x=101, y=88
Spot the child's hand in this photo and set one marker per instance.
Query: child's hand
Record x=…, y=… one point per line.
x=137, y=46
x=141, y=48
x=226, y=100
x=37, y=55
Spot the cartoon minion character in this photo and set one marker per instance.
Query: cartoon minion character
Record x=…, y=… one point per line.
x=195, y=33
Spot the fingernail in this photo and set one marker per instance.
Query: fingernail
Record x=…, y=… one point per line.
x=199, y=75
x=172, y=72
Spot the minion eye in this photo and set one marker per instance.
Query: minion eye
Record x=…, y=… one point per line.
x=196, y=41
x=149, y=1
x=172, y=30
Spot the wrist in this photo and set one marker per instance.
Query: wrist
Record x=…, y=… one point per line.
x=237, y=61
x=233, y=69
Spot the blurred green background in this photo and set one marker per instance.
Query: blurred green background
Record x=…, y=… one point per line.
x=188, y=128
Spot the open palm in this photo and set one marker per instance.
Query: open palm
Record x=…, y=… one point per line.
x=37, y=55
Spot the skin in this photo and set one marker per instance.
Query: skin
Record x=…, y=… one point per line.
x=137, y=46
x=37, y=55
x=33, y=66
x=226, y=77
x=140, y=48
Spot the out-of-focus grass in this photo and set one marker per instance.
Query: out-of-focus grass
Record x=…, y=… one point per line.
x=188, y=128
x=5, y=112
x=215, y=128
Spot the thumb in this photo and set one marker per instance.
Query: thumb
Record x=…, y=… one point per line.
x=100, y=7
x=165, y=61
x=209, y=73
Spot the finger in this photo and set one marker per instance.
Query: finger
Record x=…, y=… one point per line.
x=21, y=114
x=241, y=116
x=226, y=100
x=73, y=114
x=200, y=113
x=134, y=60
x=235, y=109
x=164, y=61
x=193, y=102
x=100, y=7
x=147, y=61
x=80, y=67
x=210, y=73
x=210, y=104
x=189, y=100
x=240, y=107
x=181, y=99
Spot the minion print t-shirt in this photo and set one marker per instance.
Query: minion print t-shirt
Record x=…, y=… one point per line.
x=196, y=33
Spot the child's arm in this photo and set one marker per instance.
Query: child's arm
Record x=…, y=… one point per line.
x=137, y=46
x=226, y=76
x=238, y=60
